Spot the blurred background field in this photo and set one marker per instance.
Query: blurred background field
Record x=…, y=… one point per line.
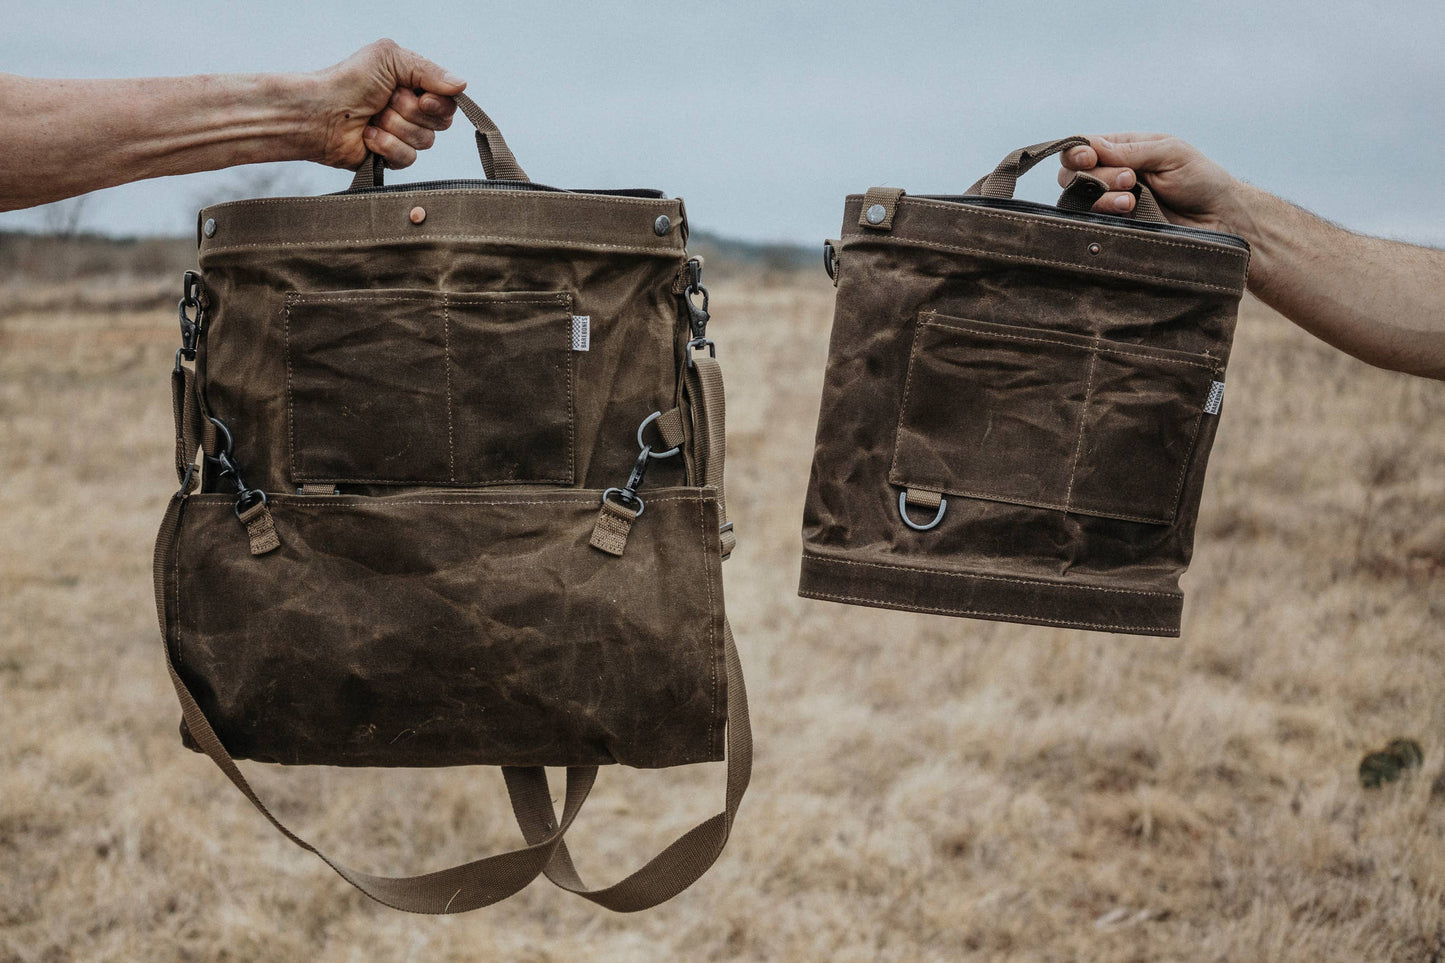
x=925, y=789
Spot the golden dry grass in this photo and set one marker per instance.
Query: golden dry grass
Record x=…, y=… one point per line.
x=926, y=788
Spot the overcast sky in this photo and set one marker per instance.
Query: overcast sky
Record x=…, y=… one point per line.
x=764, y=114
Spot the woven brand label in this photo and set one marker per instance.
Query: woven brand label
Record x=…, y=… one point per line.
x=1216, y=398
x=581, y=332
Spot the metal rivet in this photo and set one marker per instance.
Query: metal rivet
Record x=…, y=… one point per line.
x=877, y=213
x=662, y=225
x=418, y=214
x=210, y=229
x=1094, y=248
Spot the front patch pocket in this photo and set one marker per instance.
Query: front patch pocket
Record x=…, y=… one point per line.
x=423, y=387
x=1049, y=419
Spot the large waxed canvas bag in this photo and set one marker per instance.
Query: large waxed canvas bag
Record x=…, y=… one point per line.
x=459, y=503
x=1019, y=404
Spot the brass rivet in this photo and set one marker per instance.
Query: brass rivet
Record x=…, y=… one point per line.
x=877, y=213
x=1094, y=248
x=418, y=214
x=662, y=225
x=210, y=228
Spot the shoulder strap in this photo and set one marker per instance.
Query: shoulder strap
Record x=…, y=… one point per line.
x=452, y=890
x=482, y=882
x=679, y=865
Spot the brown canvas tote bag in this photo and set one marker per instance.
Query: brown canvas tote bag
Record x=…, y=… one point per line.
x=418, y=533
x=1019, y=404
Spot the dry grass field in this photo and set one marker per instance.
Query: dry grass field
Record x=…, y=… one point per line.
x=925, y=788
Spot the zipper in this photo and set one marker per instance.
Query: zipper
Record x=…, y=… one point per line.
x=499, y=185
x=1090, y=217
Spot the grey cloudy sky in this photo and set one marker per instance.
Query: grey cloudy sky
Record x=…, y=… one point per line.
x=763, y=115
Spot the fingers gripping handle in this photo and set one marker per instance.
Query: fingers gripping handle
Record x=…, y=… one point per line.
x=498, y=163
x=1084, y=189
x=1077, y=196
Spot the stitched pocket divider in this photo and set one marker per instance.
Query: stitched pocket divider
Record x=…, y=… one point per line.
x=1049, y=419
x=417, y=387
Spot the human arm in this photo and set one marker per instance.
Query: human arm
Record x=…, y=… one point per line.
x=69, y=137
x=1381, y=301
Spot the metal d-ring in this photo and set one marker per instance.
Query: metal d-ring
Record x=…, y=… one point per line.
x=903, y=513
x=642, y=444
x=626, y=497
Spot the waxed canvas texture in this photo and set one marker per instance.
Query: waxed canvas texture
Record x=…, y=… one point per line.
x=487, y=622
x=446, y=608
x=1047, y=376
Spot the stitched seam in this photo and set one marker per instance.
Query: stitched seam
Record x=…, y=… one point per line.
x=941, y=321
x=304, y=501
x=296, y=472
x=351, y=480
x=1026, y=259
x=711, y=628
x=1069, y=623
x=299, y=298
x=499, y=238
x=948, y=489
x=1083, y=416
x=571, y=196
x=179, y=659
x=1110, y=230
x=571, y=392
x=447, y=360
x=1185, y=463
x=907, y=384
x=1119, y=231
x=990, y=578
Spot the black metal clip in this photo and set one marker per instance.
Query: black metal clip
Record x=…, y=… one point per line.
x=697, y=313
x=246, y=497
x=627, y=494
x=191, y=311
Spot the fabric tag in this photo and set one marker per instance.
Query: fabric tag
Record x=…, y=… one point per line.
x=1216, y=398
x=581, y=332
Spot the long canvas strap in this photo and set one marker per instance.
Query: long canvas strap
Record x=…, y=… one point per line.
x=679, y=865
x=451, y=890
x=682, y=863
x=704, y=387
x=484, y=881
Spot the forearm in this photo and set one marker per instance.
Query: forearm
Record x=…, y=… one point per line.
x=1381, y=301
x=67, y=137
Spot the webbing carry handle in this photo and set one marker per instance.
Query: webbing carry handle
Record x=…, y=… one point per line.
x=497, y=160
x=1081, y=192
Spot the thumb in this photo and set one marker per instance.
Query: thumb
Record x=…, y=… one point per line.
x=1146, y=153
x=414, y=70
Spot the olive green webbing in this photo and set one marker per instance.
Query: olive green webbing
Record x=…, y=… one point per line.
x=498, y=162
x=679, y=865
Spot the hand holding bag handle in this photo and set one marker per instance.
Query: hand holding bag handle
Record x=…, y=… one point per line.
x=1080, y=193
x=497, y=160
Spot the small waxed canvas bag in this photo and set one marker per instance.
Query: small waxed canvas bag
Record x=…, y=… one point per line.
x=1019, y=404
x=459, y=503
